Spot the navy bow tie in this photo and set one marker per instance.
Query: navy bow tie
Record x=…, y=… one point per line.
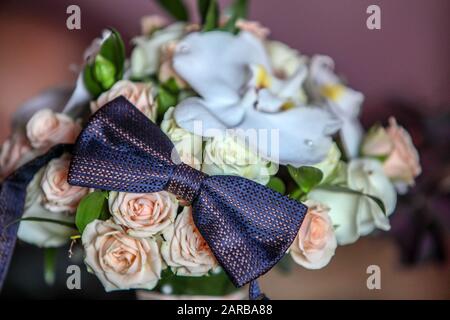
x=248, y=227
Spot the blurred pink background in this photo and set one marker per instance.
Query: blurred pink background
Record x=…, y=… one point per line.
x=407, y=60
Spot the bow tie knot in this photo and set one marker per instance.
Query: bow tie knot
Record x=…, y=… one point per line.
x=185, y=182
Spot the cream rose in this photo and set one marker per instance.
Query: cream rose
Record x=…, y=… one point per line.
x=401, y=162
x=151, y=23
x=316, y=242
x=143, y=214
x=254, y=27
x=47, y=128
x=224, y=155
x=330, y=164
x=357, y=215
x=166, y=70
x=184, y=249
x=58, y=194
x=138, y=93
x=187, y=145
x=43, y=234
x=119, y=260
x=15, y=152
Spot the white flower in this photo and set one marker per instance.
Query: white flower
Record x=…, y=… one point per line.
x=345, y=103
x=118, y=260
x=315, y=243
x=329, y=165
x=239, y=91
x=143, y=214
x=145, y=58
x=187, y=145
x=185, y=250
x=43, y=234
x=138, y=93
x=224, y=155
x=357, y=215
x=284, y=59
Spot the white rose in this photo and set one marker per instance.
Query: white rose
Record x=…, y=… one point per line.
x=224, y=155
x=188, y=145
x=143, y=214
x=43, y=234
x=145, y=58
x=57, y=194
x=184, y=249
x=357, y=215
x=138, y=93
x=46, y=129
x=316, y=242
x=119, y=260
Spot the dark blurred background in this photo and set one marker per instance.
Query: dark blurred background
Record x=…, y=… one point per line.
x=403, y=69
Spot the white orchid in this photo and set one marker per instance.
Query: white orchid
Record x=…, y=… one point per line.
x=345, y=103
x=239, y=91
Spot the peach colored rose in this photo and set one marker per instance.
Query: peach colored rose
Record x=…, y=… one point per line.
x=138, y=93
x=316, y=242
x=46, y=129
x=151, y=23
x=184, y=249
x=15, y=152
x=143, y=214
x=166, y=70
x=403, y=162
x=253, y=27
x=58, y=194
x=119, y=260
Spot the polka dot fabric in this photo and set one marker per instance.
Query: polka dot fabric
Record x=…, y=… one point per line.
x=248, y=226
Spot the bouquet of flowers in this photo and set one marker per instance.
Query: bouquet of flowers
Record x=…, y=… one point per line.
x=233, y=102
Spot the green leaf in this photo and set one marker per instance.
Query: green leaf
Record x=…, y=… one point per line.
x=355, y=192
x=108, y=65
x=92, y=206
x=202, y=6
x=49, y=265
x=38, y=219
x=212, y=16
x=238, y=10
x=276, y=184
x=104, y=72
x=166, y=99
x=306, y=177
x=176, y=8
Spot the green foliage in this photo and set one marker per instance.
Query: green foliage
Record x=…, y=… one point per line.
x=92, y=206
x=306, y=177
x=107, y=67
x=238, y=10
x=49, y=265
x=176, y=8
x=276, y=184
x=211, y=19
x=167, y=96
x=213, y=284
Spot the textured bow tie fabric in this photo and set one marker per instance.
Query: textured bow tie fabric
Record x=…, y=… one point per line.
x=248, y=226
x=12, y=199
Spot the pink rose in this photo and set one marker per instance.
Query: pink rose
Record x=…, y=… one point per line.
x=58, y=194
x=184, y=249
x=166, y=70
x=403, y=164
x=138, y=93
x=47, y=128
x=143, y=214
x=15, y=152
x=151, y=23
x=316, y=242
x=119, y=260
